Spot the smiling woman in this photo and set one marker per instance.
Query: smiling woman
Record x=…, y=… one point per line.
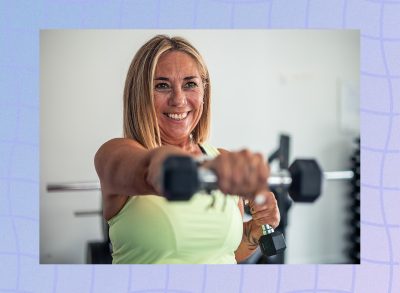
x=150, y=75
x=167, y=112
x=178, y=99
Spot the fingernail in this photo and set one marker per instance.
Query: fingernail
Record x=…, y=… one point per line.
x=259, y=199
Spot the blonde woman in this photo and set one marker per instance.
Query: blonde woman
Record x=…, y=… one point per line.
x=166, y=112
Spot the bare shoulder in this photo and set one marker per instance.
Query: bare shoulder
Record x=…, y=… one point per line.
x=113, y=147
x=114, y=143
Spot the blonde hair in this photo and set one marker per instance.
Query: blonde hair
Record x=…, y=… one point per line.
x=140, y=120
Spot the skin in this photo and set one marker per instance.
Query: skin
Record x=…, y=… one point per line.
x=126, y=168
x=178, y=89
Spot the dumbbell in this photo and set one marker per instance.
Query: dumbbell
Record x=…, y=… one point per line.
x=182, y=177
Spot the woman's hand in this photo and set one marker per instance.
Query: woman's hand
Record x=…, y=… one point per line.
x=267, y=212
x=241, y=173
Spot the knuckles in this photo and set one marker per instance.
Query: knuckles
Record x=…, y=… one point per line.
x=267, y=213
x=242, y=172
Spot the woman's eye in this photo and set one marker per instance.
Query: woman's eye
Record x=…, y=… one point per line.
x=162, y=86
x=191, y=84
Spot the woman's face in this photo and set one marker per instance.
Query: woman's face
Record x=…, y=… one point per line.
x=178, y=96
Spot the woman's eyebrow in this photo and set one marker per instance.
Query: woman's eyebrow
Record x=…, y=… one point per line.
x=190, y=77
x=185, y=78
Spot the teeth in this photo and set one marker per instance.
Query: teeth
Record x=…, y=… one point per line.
x=177, y=116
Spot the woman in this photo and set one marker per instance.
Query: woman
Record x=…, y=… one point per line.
x=167, y=112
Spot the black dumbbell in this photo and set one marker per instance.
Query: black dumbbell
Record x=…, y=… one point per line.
x=271, y=242
x=182, y=177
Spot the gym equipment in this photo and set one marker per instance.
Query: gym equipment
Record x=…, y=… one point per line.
x=97, y=252
x=271, y=242
x=281, y=155
x=353, y=236
x=73, y=186
x=182, y=177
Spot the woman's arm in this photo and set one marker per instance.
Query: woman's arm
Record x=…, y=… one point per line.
x=126, y=168
x=247, y=245
x=267, y=213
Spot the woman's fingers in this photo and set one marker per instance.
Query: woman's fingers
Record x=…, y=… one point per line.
x=266, y=213
x=241, y=173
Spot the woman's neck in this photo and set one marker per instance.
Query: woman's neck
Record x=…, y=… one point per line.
x=188, y=145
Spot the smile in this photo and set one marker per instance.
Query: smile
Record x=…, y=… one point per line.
x=176, y=116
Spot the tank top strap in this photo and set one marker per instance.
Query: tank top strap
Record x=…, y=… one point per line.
x=209, y=150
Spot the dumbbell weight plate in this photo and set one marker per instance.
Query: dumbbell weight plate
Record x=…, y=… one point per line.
x=272, y=244
x=306, y=180
x=180, y=178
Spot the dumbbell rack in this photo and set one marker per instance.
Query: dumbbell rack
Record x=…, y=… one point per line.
x=354, y=209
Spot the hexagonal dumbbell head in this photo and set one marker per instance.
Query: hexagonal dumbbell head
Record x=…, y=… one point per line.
x=272, y=244
x=179, y=179
x=306, y=180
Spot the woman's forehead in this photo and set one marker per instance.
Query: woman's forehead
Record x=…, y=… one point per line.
x=177, y=62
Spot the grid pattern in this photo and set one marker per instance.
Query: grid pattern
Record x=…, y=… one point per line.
x=378, y=22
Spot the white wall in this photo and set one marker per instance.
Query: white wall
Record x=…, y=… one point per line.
x=263, y=83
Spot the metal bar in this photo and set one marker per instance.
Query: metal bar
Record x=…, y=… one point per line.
x=282, y=178
x=210, y=181
x=88, y=213
x=339, y=175
x=74, y=186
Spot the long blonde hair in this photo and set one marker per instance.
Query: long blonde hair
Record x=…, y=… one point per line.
x=140, y=120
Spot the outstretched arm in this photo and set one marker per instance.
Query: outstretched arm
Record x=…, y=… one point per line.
x=126, y=168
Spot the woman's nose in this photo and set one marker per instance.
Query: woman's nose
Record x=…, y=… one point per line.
x=178, y=97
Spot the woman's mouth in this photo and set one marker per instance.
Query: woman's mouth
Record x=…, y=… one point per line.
x=177, y=116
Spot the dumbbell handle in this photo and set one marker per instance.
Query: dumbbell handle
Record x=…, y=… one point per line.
x=209, y=181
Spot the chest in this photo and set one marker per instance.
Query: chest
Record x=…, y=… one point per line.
x=203, y=227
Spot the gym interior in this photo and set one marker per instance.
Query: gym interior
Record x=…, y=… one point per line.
x=298, y=88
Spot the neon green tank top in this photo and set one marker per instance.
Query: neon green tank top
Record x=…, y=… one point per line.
x=205, y=229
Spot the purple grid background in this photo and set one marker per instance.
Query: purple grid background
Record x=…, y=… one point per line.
x=379, y=25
